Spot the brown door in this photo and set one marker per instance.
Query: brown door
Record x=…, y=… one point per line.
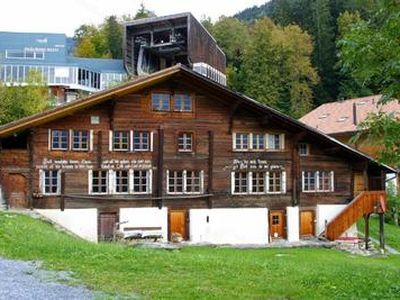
x=277, y=224
x=107, y=223
x=177, y=223
x=307, y=223
x=16, y=190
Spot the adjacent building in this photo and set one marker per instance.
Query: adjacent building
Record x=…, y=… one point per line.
x=68, y=77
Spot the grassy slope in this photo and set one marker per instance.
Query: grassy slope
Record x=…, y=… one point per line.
x=202, y=272
x=392, y=232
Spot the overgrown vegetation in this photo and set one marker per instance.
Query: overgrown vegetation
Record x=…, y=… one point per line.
x=202, y=273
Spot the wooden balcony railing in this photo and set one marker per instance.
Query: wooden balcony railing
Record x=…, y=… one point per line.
x=365, y=203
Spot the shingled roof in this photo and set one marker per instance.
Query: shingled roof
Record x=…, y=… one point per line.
x=344, y=116
x=163, y=75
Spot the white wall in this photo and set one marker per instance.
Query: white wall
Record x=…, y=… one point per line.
x=293, y=223
x=145, y=217
x=229, y=226
x=82, y=222
x=325, y=213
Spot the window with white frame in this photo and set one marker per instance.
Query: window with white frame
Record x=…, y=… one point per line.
x=185, y=142
x=141, y=181
x=318, y=181
x=275, y=182
x=275, y=141
x=258, y=141
x=241, y=181
x=141, y=141
x=258, y=182
x=241, y=141
x=51, y=182
x=183, y=103
x=80, y=140
x=272, y=182
x=120, y=140
x=304, y=149
x=99, y=182
x=59, y=139
x=160, y=101
x=185, y=182
x=122, y=181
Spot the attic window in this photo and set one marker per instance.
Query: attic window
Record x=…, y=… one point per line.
x=342, y=119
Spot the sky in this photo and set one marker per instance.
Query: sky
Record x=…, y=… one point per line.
x=65, y=16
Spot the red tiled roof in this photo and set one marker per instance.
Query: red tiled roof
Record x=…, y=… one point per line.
x=344, y=116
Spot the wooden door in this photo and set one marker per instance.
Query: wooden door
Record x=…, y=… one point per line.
x=107, y=225
x=178, y=223
x=307, y=225
x=16, y=190
x=277, y=224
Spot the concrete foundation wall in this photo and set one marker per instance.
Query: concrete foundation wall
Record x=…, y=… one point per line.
x=82, y=222
x=229, y=226
x=325, y=213
x=293, y=223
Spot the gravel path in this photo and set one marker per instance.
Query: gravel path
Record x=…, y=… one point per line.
x=24, y=280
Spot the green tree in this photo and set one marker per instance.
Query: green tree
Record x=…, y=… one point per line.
x=370, y=54
x=113, y=33
x=17, y=101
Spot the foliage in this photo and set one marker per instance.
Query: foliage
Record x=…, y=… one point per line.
x=370, y=55
x=394, y=205
x=277, y=67
x=105, y=40
x=17, y=101
x=201, y=272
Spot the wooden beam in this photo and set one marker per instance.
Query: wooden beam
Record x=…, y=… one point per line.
x=210, y=165
x=31, y=168
x=160, y=166
x=366, y=233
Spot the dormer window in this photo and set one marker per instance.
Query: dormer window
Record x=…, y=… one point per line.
x=160, y=101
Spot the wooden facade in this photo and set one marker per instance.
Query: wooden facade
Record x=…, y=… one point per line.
x=216, y=116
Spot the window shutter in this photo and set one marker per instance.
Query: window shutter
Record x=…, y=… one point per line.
x=167, y=182
x=90, y=180
x=49, y=140
x=151, y=140
x=91, y=137
x=111, y=182
x=234, y=141
x=302, y=181
x=250, y=141
x=332, y=181
x=267, y=141
x=131, y=140
x=282, y=141
x=267, y=182
x=283, y=182
x=41, y=181
x=150, y=181
x=110, y=140
x=249, y=182
x=59, y=182
x=130, y=180
x=202, y=181
x=70, y=139
x=317, y=187
x=232, y=183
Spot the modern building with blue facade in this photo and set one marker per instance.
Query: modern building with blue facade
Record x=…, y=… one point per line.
x=52, y=55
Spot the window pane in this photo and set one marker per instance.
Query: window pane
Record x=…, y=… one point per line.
x=160, y=102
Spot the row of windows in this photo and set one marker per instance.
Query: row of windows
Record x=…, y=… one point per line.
x=24, y=54
x=272, y=182
x=164, y=102
x=258, y=141
x=76, y=140
x=131, y=140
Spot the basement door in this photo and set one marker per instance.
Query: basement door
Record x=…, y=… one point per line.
x=178, y=223
x=307, y=225
x=107, y=226
x=277, y=224
x=16, y=188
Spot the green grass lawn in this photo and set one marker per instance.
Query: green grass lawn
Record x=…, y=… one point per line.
x=201, y=272
x=392, y=232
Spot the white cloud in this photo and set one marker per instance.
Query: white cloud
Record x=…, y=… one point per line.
x=66, y=16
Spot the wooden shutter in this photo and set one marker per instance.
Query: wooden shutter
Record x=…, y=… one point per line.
x=283, y=182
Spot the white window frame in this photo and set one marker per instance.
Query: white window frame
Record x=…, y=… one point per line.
x=108, y=184
x=281, y=142
x=233, y=183
x=266, y=183
x=234, y=144
x=42, y=185
x=114, y=179
x=51, y=140
x=307, y=148
x=149, y=182
x=184, y=182
x=112, y=148
x=72, y=136
x=149, y=141
x=253, y=135
x=185, y=136
x=317, y=179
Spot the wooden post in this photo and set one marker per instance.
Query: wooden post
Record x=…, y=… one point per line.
x=382, y=231
x=160, y=166
x=62, y=199
x=31, y=169
x=99, y=154
x=366, y=234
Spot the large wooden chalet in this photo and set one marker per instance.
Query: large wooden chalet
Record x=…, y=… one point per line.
x=178, y=153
